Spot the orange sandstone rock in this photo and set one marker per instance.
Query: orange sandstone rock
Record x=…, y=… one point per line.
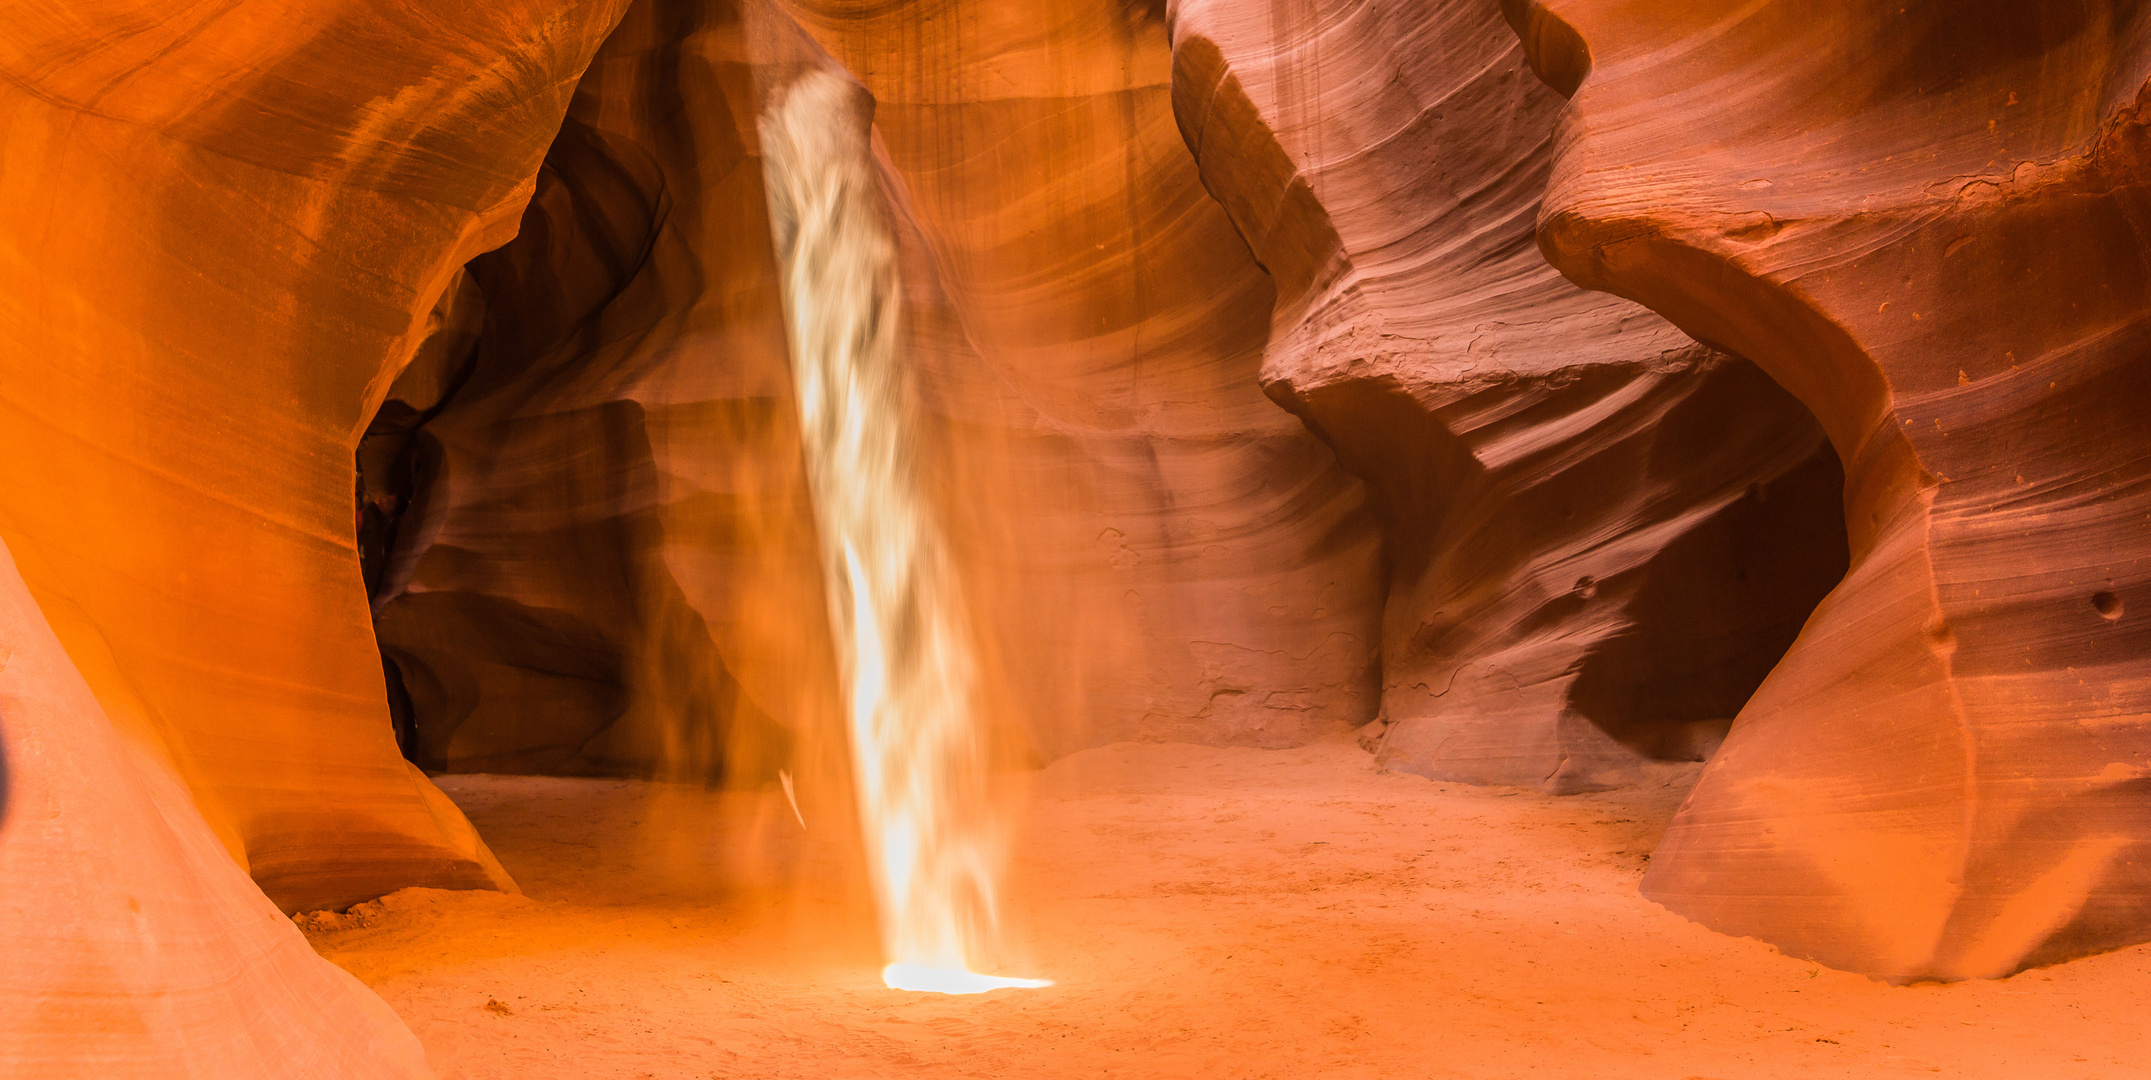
x=1154, y=549
x=1149, y=547
x=1599, y=535
x=221, y=230
x=135, y=947
x=1927, y=221
x=607, y=560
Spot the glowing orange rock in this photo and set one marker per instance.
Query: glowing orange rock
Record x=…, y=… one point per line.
x=221, y=230
x=1598, y=534
x=135, y=947
x=1154, y=549
x=1927, y=222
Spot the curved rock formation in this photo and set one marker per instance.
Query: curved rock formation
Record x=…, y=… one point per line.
x=1927, y=221
x=135, y=947
x=223, y=232
x=221, y=228
x=1600, y=536
x=604, y=556
x=1152, y=549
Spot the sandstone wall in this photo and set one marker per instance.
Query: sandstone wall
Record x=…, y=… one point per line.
x=1151, y=549
x=222, y=227
x=135, y=947
x=1927, y=221
x=603, y=555
x=1599, y=535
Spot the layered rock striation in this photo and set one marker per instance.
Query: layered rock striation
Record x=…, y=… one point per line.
x=1149, y=547
x=1926, y=221
x=1599, y=535
x=136, y=947
x=602, y=555
x=292, y=192
x=222, y=228
x=1155, y=550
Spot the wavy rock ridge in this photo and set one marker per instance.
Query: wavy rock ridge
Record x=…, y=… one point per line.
x=1600, y=535
x=221, y=229
x=1268, y=399
x=1927, y=222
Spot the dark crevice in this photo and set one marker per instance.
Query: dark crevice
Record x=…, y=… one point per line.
x=1714, y=610
x=394, y=469
x=510, y=515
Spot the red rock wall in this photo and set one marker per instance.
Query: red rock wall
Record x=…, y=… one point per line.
x=1599, y=534
x=1926, y=221
x=225, y=228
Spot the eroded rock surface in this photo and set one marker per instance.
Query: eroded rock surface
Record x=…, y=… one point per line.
x=1599, y=534
x=136, y=949
x=604, y=557
x=223, y=231
x=1151, y=549
x=222, y=227
x=1158, y=552
x=1927, y=221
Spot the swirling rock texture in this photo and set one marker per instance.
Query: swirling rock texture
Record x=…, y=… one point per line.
x=1151, y=549
x=135, y=946
x=1600, y=535
x=1213, y=573
x=221, y=228
x=598, y=553
x=1928, y=222
x=1539, y=531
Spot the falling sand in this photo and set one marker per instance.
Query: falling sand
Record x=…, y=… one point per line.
x=918, y=746
x=1206, y=913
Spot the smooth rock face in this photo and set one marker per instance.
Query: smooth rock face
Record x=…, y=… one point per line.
x=1599, y=535
x=1156, y=550
x=221, y=230
x=135, y=947
x=1927, y=221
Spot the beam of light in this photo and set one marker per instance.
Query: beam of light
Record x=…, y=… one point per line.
x=918, y=752
x=937, y=981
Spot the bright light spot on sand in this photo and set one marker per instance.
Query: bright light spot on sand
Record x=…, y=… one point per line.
x=937, y=981
x=918, y=748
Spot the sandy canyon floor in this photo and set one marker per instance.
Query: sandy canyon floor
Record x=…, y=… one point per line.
x=1207, y=913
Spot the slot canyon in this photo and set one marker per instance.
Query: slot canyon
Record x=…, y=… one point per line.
x=679, y=539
